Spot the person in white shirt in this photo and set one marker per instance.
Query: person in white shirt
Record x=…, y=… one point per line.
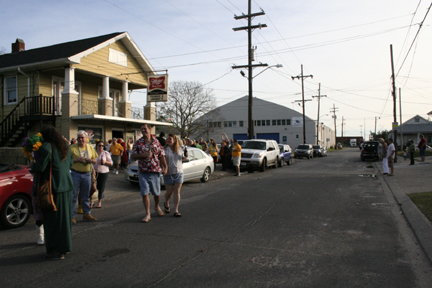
x=390, y=155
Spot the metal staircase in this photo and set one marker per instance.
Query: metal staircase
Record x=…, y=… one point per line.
x=27, y=113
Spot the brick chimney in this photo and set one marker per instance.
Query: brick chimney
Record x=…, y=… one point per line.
x=18, y=46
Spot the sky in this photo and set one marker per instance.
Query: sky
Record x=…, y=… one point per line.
x=343, y=44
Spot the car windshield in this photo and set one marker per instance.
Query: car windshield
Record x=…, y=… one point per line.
x=306, y=147
x=316, y=146
x=254, y=145
x=370, y=144
x=281, y=147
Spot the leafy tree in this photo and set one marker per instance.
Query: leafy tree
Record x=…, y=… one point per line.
x=188, y=101
x=381, y=134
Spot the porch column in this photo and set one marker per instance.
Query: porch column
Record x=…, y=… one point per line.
x=105, y=102
x=150, y=114
x=69, y=105
x=125, y=105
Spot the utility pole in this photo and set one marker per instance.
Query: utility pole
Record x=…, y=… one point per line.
x=394, y=102
x=400, y=117
x=334, y=116
x=319, y=100
x=376, y=137
x=343, y=122
x=251, y=53
x=304, y=118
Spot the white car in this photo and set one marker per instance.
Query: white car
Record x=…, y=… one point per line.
x=199, y=165
x=259, y=154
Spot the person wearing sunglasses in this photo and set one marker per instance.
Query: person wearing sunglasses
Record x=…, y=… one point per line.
x=84, y=156
x=103, y=162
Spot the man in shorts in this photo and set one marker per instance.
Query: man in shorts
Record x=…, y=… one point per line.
x=151, y=162
x=116, y=150
x=390, y=155
x=236, y=156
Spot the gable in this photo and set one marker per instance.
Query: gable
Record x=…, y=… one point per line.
x=416, y=120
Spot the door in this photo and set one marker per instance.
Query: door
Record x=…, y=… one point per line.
x=269, y=136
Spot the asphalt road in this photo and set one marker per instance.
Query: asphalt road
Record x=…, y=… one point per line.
x=316, y=223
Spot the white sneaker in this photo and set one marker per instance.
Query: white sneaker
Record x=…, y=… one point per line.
x=116, y=172
x=41, y=235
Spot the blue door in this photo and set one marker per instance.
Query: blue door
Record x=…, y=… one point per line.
x=270, y=136
x=240, y=137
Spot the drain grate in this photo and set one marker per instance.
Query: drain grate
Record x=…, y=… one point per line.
x=368, y=175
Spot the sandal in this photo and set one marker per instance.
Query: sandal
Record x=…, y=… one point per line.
x=159, y=212
x=91, y=205
x=177, y=214
x=145, y=220
x=167, y=208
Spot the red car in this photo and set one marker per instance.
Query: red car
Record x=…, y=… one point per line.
x=15, y=200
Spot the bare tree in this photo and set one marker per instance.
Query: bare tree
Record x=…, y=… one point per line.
x=188, y=101
x=2, y=50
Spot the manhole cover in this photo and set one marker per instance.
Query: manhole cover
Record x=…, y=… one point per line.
x=368, y=175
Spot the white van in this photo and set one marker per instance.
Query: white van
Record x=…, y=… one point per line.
x=353, y=142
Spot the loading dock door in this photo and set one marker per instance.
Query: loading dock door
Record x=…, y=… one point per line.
x=271, y=136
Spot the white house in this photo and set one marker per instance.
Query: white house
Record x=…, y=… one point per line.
x=272, y=121
x=412, y=128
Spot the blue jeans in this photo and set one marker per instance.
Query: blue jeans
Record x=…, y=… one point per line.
x=83, y=182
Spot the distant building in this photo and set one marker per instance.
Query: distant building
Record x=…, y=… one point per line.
x=272, y=121
x=412, y=128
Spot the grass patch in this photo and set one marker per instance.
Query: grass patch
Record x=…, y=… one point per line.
x=416, y=154
x=423, y=202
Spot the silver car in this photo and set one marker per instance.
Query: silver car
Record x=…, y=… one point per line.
x=199, y=165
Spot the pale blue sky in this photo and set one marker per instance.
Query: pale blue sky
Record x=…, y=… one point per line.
x=344, y=44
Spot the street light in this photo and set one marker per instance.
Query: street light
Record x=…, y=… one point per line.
x=250, y=78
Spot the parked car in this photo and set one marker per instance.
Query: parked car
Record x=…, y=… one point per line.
x=259, y=154
x=199, y=165
x=285, y=154
x=370, y=150
x=304, y=151
x=15, y=200
x=317, y=151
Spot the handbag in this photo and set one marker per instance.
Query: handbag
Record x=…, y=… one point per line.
x=45, y=198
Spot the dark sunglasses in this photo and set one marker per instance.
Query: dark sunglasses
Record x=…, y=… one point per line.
x=100, y=145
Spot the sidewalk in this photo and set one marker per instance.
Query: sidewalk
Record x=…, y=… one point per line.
x=409, y=179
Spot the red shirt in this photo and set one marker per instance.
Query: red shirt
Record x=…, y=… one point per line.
x=151, y=164
x=422, y=143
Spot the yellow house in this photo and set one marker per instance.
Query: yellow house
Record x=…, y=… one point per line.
x=78, y=85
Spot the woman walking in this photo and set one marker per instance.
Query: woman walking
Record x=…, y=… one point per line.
x=129, y=148
x=384, y=156
x=55, y=160
x=103, y=162
x=174, y=177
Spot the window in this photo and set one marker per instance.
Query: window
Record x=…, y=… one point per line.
x=288, y=121
x=241, y=123
x=210, y=124
x=263, y=123
x=274, y=122
x=268, y=122
x=225, y=124
x=234, y=124
x=117, y=57
x=258, y=123
x=11, y=95
x=230, y=124
x=279, y=122
x=219, y=124
x=283, y=121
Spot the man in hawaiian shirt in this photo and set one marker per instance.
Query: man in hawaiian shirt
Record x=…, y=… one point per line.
x=151, y=162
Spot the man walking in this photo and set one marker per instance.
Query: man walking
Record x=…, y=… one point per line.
x=84, y=156
x=116, y=150
x=151, y=162
x=390, y=155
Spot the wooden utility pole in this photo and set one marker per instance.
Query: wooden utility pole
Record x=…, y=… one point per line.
x=394, y=102
x=334, y=117
x=251, y=51
x=303, y=106
x=319, y=96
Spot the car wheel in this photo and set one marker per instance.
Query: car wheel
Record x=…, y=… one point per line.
x=15, y=211
x=281, y=162
x=264, y=165
x=206, y=175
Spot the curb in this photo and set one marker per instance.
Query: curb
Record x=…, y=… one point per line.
x=420, y=225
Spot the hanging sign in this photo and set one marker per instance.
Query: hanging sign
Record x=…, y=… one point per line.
x=157, y=90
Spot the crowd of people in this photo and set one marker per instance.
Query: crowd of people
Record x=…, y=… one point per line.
x=77, y=170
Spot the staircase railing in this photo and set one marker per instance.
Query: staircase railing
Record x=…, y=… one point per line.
x=28, y=107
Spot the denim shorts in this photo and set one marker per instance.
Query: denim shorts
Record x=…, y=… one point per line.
x=422, y=152
x=149, y=183
x=170, y=179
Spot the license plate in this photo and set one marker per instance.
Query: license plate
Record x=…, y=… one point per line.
x=243, y=164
